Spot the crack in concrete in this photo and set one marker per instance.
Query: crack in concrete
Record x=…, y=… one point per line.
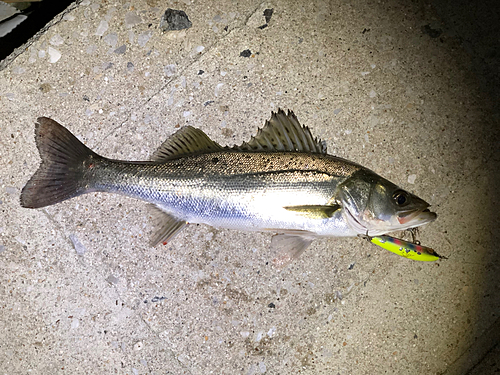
x=172, y=353
x=238, y=26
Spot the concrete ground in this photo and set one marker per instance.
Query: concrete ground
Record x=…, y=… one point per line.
x=408, y=89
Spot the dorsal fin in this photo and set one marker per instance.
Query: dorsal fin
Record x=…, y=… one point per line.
x=283, y=132
x=185, y=141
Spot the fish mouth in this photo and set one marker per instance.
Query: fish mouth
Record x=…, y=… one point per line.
x=414, y=219
x=405, y=220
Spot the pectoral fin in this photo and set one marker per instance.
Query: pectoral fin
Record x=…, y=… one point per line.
x=315, y=211
x=288, y=247
x=166, y=226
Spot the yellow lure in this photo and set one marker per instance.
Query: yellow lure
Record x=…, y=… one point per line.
x=405, y=249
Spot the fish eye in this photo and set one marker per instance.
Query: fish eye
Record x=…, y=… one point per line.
x=400, y=197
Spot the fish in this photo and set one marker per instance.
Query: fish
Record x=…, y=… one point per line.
x=282, y=181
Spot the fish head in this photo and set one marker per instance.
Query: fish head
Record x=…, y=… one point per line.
x=373, y=205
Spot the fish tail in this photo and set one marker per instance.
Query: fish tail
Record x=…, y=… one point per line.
x=61, y=174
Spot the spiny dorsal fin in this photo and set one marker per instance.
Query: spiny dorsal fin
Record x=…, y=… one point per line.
x=185, y=141
x=284, y=133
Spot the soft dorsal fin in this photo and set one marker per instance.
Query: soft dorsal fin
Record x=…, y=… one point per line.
x=185, y=141
x=283, y=132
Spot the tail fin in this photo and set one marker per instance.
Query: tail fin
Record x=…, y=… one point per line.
x=61, y=172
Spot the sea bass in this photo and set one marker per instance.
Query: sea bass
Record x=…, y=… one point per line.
x=282, y=181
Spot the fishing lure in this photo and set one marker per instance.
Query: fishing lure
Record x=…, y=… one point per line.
x=405, y=249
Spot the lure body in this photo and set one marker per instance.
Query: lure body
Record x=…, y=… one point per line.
x=405, y=249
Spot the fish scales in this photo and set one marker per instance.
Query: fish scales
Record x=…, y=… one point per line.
x=230, y=188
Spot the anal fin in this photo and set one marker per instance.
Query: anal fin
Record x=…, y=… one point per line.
x=166, y=226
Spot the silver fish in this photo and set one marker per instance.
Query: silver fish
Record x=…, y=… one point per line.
x=282, y=181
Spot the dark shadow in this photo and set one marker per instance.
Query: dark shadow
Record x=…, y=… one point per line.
x=473, y=27
x=39, y=14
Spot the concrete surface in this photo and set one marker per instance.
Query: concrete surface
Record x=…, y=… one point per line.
x=408, y=89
